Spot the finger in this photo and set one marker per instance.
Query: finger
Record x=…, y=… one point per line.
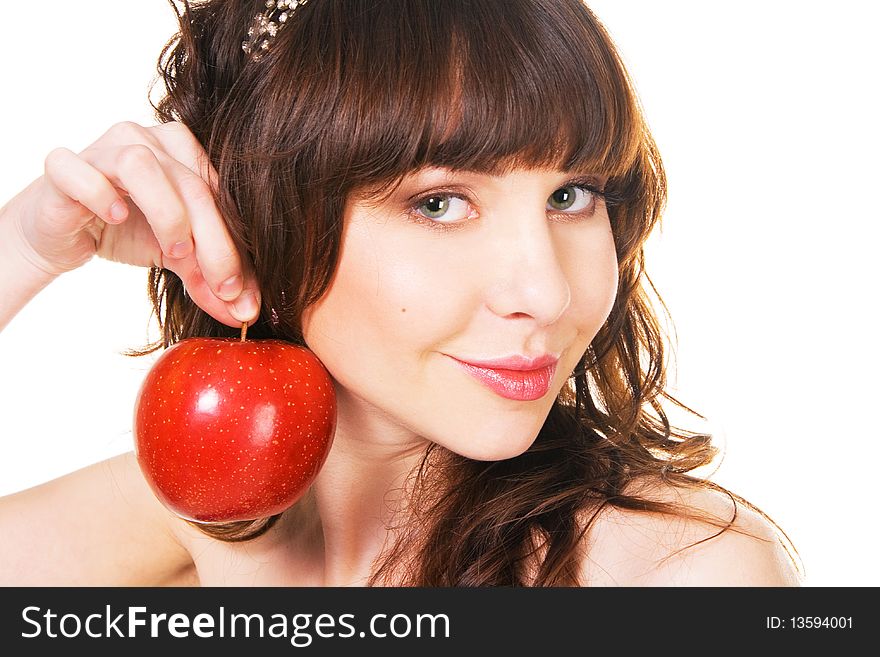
x=189, y=170
x=181, y=144
x=218, y=259
x=216, y=252
x=75, y=181
x=199, y=290
x=220, y=262
x=187, y=167
x=137, y=169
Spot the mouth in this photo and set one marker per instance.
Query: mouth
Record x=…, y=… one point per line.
x=520, y=379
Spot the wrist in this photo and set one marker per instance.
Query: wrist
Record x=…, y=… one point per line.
x=22, y=275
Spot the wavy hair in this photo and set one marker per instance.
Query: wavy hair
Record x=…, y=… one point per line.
x=354, y=95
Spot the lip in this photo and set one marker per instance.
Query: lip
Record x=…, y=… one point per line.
x=514, y=377
x=515, y=362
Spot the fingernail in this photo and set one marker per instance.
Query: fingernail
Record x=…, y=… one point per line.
x=245, y=307
x=230, y=288
x=118, y=211
x=181, y=249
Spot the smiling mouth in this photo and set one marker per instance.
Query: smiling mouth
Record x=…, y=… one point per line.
x=519, y=385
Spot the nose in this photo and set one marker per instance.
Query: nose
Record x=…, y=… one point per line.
x=527, y=277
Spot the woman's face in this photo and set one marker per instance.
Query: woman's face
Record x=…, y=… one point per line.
x=455, y=268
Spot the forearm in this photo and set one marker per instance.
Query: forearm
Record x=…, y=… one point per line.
x=21, y=278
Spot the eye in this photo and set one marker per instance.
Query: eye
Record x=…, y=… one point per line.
x=442, y=208
x=572, y=198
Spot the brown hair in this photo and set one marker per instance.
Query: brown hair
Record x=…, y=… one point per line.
x=352, y=96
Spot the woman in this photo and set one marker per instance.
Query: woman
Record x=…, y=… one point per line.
x=412, y=190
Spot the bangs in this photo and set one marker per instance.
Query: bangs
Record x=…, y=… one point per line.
x=527, y=87
x=481, y=86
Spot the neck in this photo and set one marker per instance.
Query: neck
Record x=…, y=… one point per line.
x=358, y=495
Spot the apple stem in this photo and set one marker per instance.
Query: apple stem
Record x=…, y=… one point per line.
x=243, y=330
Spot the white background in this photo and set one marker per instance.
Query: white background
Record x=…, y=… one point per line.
x=766, y=114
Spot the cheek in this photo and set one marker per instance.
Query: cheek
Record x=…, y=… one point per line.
x=592, y=272
x=385, y=298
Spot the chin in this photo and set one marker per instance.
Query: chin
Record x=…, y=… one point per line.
x=488, y=447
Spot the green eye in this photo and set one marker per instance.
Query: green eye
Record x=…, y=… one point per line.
x=441, y=208
x=435, y=206
x=565, y=197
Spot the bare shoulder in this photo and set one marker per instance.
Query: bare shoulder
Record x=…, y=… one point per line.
x=100, y=525
x=728, y=544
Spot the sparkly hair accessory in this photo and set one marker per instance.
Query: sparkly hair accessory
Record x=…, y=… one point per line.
x=267, y=24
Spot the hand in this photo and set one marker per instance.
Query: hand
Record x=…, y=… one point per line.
x=141, y=196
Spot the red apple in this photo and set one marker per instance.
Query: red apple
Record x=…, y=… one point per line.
x=228, y=429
